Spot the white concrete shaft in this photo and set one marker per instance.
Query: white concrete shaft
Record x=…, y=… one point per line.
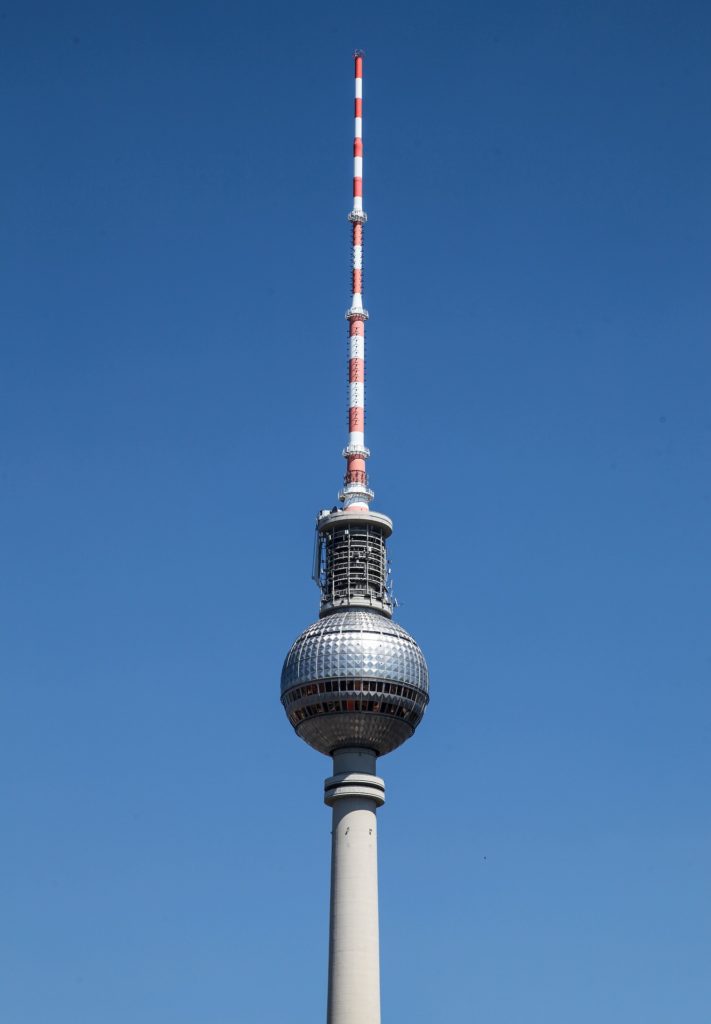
x=354, y=954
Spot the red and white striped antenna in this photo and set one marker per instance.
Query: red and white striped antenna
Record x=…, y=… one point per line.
x=356, y=494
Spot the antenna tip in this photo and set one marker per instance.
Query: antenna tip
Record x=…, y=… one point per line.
x=359, y=53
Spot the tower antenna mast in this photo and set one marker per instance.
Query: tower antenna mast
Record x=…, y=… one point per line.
x=356, y=495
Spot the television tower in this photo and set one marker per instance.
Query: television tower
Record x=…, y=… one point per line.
x=354, y=685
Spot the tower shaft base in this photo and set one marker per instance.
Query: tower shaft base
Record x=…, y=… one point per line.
x=354, y=792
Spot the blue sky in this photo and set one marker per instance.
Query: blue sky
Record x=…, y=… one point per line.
x=175, y=262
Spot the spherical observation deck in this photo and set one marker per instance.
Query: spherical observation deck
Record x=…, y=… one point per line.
x=355, y=678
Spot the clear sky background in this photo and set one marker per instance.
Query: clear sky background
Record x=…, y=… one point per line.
x=175, y=184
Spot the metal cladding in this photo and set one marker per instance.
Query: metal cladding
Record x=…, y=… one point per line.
x=355, y=679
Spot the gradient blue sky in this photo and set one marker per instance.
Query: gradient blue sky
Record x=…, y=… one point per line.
x=174, y=184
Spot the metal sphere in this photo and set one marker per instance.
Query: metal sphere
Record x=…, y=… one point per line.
x=355, y=678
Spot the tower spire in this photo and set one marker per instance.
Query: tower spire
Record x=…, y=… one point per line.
x=356, y=495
